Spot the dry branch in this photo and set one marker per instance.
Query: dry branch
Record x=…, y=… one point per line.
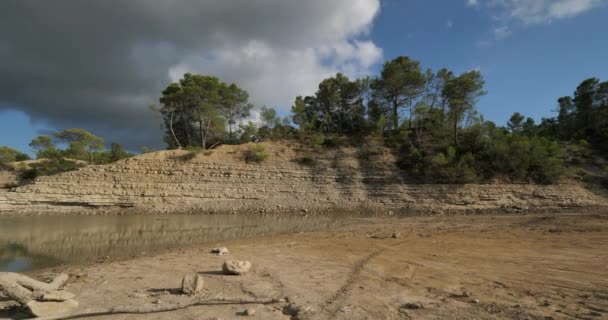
x=24, y=289
x=153, y=308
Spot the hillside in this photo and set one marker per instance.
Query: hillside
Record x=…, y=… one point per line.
x=291, y=178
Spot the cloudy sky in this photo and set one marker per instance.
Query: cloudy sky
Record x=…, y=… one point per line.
x=99, y=64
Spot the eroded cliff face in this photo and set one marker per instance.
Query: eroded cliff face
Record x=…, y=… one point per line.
x=8, y=179
x=172, y=181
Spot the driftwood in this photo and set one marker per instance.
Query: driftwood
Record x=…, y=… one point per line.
x=24, y=289
x=153, y=308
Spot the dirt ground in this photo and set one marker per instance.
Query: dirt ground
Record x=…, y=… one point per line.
x=549, y=266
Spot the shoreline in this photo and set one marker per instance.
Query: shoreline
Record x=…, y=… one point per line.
x=432, y=261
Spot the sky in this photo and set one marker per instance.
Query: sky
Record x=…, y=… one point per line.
x=100, y=64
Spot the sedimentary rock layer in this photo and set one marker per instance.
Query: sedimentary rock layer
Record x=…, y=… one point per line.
x=340, y=178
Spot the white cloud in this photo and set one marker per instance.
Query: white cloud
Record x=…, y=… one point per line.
x=502, y=32
x=536, y=11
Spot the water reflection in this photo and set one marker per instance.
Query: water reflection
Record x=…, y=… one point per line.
x=40, y=241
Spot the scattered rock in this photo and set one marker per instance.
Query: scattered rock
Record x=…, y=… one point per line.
x=396, y=235
x=220, y=251
x=58, y=296
x=157, y=301
x=412, y=306
x=297, y=311
x=47, y=308
x=192, y=284
x=250, y=312
x=475, y=301
x=235, y=267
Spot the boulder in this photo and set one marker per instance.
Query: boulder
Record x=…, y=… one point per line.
x=235, y=267
x=192, y=284
x=48, y=308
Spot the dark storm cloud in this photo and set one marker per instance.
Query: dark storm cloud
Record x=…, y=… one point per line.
x=99, y=64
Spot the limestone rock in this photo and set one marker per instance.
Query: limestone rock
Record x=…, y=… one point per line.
x=192, y=284
x=250, y=312
x=48, y=308
x=220, y=251
x=235, y=267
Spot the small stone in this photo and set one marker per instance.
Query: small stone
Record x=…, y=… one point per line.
x=235, y=267
x=250, y=312
x=220, y=251
x=412, y=306
x=192, y=284
x=396, y=235
x=58, y=296
x=139, y=295
x=157, y=301
x=475, y=301
x=47, y=308
x=298, y=311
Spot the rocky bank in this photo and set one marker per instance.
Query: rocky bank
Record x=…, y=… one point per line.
x=291, y=178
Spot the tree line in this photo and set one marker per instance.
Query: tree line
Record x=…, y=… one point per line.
x=428, y=117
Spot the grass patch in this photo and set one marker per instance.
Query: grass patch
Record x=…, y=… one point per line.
x=256, y=153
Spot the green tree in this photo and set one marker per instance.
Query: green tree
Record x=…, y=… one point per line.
x=515, y=123
x=8, y=154
x=80, y=140
x=118, y=152
x=400, y=83
x=234, y=106
x=269, y=117
x=191, y=109
x=461, y=94
x=44, y=147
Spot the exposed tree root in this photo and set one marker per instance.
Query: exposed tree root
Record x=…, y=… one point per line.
x=153, y=308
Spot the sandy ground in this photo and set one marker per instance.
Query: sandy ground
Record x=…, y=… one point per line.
x=460, y=267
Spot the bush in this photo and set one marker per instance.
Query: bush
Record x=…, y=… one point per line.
x=306, y=159
x=50, y=167
x=255, y=153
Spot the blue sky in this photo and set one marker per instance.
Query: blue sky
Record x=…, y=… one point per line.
x=530, y=53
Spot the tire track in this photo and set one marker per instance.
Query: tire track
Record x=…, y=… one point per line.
x=332, y=305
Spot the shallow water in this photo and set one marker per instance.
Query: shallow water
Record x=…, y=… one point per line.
x=34, y=242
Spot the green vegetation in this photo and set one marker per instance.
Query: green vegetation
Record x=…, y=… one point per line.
x=8, y=154
x=50, y=167
x=197, y=109
x=427, y=118
x=255, y=153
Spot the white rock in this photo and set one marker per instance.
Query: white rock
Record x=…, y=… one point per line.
x=48, y=308
x=220, y=251
x=250, y=312
x=58, y=296
x=192, y=284
x=236, y=267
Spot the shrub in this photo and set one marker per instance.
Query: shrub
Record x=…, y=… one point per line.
x=255, y=153
x=306, y=159
x=50, y=167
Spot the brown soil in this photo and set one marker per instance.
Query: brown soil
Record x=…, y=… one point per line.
x=458, y=267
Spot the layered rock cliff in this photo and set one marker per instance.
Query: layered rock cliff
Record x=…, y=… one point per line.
x=169, y=181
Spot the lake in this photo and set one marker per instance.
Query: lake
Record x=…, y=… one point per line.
x=34, y=242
